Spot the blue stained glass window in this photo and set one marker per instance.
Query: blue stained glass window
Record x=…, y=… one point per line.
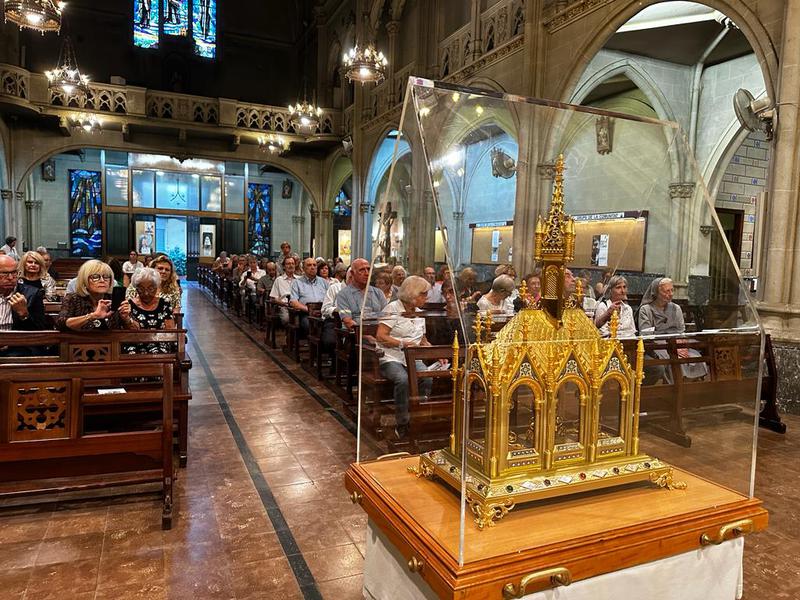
x=86, y=213
x=204, y=27
x=145, y=23
x=259, y=218
x=176, y=17
x=342, y=205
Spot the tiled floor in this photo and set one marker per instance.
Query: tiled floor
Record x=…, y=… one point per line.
x=225, y=544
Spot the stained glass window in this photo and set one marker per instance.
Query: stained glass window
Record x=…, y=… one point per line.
x=342, y=205
x=177, y=191
x=204, y=27
x=86, y=213
x=259, y=218
x=176, y=17
x=145, y=23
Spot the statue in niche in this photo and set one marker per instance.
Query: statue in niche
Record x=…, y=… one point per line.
x=387, y=219
x=502, y=164
x=604, y=130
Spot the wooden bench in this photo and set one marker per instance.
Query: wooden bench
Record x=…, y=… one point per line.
x=108, y=346
x=730, y=383
x=47, y=445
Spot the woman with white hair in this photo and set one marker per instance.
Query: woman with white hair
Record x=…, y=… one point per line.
x=658, y=314
x=495, y=300
x=396, y=332
x=149, y=310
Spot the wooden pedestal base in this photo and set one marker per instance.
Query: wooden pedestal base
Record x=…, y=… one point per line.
x=567, y=539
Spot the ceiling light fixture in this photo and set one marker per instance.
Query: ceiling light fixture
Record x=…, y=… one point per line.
x=66, y=77
x=86, y=122
x=39, y=15
x=365, y=63
x=274, y=144
x=304, y=117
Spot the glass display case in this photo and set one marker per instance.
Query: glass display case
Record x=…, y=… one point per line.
x=573, y=328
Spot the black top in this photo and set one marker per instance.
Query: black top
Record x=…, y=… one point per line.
x=151, y=319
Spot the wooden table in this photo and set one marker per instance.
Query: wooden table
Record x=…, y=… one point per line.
x=586, y=535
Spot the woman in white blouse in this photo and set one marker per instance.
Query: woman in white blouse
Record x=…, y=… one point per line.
x=496, y=300
x=615, y=299
x=396, y=332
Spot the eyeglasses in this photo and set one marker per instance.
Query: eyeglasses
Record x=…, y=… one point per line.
x=8, y=274
x=99, y=277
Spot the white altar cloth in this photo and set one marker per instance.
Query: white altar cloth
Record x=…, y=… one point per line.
x=710, y=573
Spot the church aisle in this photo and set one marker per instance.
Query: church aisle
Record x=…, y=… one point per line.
x=261, y=510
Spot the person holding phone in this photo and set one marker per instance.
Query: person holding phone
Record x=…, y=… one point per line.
x=89, y=306
x=249, y=279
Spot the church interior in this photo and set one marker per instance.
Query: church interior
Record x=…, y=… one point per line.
x=399, y=299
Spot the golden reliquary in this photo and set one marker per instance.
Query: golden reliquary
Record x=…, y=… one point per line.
x=552, y=408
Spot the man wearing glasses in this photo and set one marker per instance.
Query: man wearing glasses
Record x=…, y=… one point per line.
x=21, y=305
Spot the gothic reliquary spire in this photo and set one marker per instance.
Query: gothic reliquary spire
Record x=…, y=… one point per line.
x=555, y=247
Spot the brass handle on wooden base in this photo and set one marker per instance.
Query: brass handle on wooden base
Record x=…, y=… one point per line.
x=728, y=532
x=415, y=565
x=557, y=576
x=393, y=455
x=356, y=497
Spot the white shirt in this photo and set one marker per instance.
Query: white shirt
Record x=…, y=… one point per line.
x=409, y=330
x=627, y=326
x=250, y=283
x=486, y=305
x=129, y=267
x=435, y=294
x=6, y=317
x=10, y=251
x=329, y=303
x=282, y=288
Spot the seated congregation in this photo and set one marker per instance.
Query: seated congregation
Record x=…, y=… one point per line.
x=95, y=376
x=393, y=334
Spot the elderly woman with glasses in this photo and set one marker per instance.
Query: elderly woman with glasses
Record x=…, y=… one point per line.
x=150, y=310
x=89, y=308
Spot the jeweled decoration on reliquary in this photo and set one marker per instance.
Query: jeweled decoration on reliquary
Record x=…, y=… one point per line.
x=548, y=345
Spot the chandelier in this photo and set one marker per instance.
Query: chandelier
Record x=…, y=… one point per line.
x=304, y=117
x=40, y=15
x=274, y=144
x=66, y=77
x=365, y=64
x=86, y=122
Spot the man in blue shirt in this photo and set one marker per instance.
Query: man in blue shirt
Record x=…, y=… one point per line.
x=351, y=297
x=306, y=289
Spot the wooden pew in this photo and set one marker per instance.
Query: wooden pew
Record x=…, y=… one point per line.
x=46, y=445
x=107, y=346
x=730, y=384
x=272, y=321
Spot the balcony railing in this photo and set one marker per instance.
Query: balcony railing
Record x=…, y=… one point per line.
x=31, y=89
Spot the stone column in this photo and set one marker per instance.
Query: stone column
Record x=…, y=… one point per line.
x=33, y=231
x=457, y=237
x=316, y=246
x=684, y=258
x=359, y=237
x=8, y=204
x=475, y=29
x=361, y=217
x=326, y=245
x=392, y=28
x=780, y=288
x=297, y=232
